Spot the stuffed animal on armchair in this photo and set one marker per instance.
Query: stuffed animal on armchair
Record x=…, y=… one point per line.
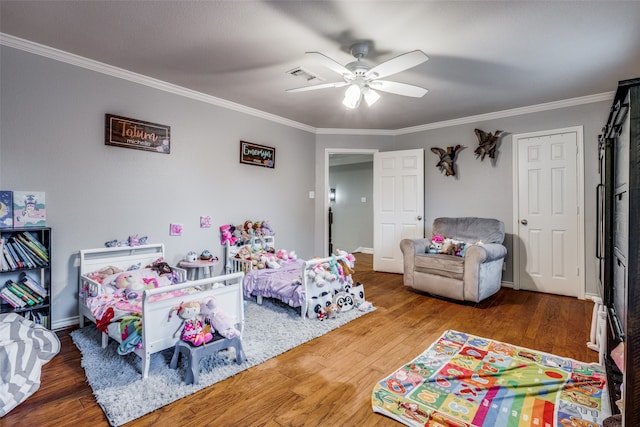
x=436, y=244
x=191, y=329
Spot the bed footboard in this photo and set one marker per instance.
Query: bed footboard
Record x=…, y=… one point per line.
x=159, y=330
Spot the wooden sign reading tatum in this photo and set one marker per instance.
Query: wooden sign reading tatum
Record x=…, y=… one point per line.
x=258, y=155
x=132, y=133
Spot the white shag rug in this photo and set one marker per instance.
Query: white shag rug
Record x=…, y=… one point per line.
x=270, y=329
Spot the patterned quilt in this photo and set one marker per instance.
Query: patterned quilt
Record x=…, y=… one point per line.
x=462, y=380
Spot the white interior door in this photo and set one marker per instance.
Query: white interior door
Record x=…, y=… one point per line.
x=548, y=214
x=398, y=207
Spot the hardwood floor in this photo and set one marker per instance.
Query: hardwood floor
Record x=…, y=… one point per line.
x=328, y=381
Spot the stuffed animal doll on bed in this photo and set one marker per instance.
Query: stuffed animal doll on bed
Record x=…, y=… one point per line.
x=218, y=318
x=192, y=330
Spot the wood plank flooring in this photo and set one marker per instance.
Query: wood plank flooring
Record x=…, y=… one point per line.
x=328, y=381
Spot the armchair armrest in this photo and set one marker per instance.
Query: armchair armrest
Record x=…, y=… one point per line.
x=485, y=253
x=411, y=247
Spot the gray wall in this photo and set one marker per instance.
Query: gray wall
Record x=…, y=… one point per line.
x=52, y=140
x=484, y=189
x=352, y=218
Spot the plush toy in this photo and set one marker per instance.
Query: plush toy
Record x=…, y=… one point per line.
x=131, y=283
x=271, y=261
x=192, y=330
x=332, y=311
x=134, y=240
x=282, y=255
x=247, y=231
x=106, y=272
x=449, y=247
x=162, y=268
x=346, y=268
x=226, y=235
x=206, y=255
x=218, y=318
x=365, y=306
x=191, y=257
x=436, y=244
x=266, y=229
x=321, y=275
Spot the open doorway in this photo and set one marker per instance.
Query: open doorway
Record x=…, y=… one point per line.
x=349, y=182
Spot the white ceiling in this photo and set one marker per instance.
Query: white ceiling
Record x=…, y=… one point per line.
x=485, y=56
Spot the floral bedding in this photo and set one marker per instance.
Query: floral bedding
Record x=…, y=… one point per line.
x=119, y=300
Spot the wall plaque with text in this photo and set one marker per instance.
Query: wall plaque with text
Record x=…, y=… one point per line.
x=258, y=155
x=138, y=134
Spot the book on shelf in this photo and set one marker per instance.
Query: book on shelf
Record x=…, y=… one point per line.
x=14, y=255
x=27, y=262
x=6, y=209
x=33, y=284
x=29, y=292
x=35, y=258
x=9, y=258
x=35, y=245
x=17, y=292
x=35, y=240
x=4, y=264
x=10, y=298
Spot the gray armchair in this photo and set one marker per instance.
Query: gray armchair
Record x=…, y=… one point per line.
x=474, y=277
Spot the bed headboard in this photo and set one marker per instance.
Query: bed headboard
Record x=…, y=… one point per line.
x=122, y=257
x=230, y=251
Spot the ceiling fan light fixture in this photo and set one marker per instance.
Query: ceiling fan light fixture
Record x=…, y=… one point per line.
x=352, y=96
x=371, y=96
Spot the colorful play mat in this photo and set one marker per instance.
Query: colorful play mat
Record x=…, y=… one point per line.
x=463, y=380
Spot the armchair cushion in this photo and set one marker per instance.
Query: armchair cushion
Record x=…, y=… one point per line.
x=440, y=264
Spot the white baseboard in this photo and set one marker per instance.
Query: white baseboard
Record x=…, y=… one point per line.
x=363, y=250
x=65, y=323
x=507, y=284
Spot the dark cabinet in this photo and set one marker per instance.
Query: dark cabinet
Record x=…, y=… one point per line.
x=619, y=248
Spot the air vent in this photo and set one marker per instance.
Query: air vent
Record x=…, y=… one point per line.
x=304, y=74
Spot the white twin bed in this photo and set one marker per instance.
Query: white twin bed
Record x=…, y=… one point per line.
x=310, y=284
x=144, y=320
x=151, y=327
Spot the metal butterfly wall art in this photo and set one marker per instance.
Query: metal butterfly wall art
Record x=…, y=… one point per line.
x=487, y=143
x=447, y=159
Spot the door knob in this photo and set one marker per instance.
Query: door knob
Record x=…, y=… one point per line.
x=524, y=222
x=419, y=218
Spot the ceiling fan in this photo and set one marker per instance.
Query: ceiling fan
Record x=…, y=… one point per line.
x=363, y=80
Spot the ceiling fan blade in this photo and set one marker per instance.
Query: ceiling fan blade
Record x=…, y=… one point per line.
x=332, y=65
x=397, y=64
x=398, y=88
x=314, y=87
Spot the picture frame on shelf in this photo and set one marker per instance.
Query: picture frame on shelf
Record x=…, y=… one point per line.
x=29, y=209
x=6, y=209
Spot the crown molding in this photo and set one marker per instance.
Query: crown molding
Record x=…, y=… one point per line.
x=607, y=96
x=90, y=64
x=338, y=131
